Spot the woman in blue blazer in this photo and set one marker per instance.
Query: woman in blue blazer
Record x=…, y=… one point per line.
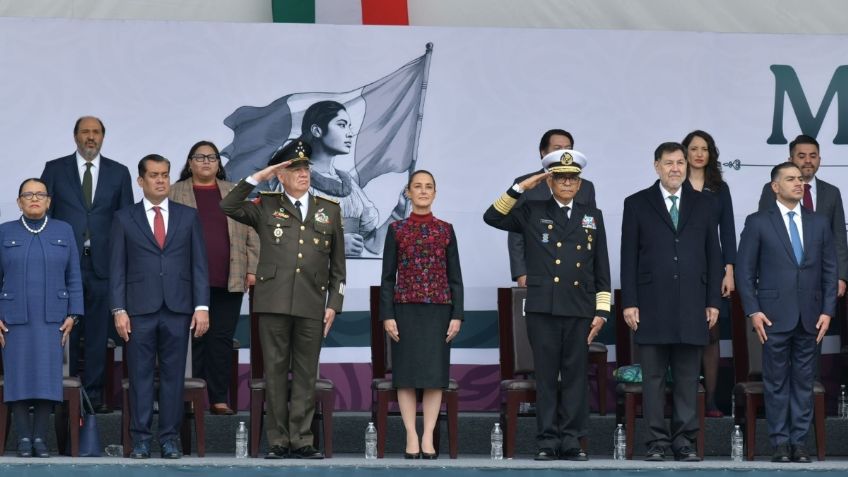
x=40, y=302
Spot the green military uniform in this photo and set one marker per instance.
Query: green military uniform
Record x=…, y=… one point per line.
x=301, y=272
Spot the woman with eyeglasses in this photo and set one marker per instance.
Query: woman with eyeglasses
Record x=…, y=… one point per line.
x=233, y=251
x=40, y=303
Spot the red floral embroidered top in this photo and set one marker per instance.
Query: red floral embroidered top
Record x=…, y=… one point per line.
x=422, y=265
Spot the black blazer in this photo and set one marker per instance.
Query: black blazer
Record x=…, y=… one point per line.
x=670, y=275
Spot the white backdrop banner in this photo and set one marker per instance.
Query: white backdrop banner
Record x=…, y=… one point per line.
x=490, y=94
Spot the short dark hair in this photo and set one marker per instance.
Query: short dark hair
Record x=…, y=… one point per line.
x=775, y=171
x=420, y=171
x=803, y=139
x=142, y=164
x=668, y=148
x=32, y=179
x=546, y=138
x=76, y=124
x=186, y=172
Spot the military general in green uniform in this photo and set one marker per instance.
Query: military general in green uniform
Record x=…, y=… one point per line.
x=300, y=281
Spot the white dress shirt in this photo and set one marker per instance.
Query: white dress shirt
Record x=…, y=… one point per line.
x=304, y=202
x=797, y=219
x=570, y=206
x=666, y=194
x=148, y=210
x=95, y=171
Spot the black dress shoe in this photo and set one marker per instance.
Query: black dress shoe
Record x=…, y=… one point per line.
x=686, y=454
x=307, y=452
x=430, y=456
x=39, y=448
x=140, y=450
x=545, y=454
x=414, y=455
x=655, y=454
x=781, y=454
x=25, y=447
x=576, y=454
x=277, y=452
x=171, y=449
x=800, y=454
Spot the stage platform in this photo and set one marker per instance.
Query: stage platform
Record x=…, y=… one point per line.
x=357, y=466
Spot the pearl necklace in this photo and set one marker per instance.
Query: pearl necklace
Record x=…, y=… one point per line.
x=34, y=231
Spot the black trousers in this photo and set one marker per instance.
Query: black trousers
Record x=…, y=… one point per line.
x=211, y=354
x=560, y=350
x=685, y=362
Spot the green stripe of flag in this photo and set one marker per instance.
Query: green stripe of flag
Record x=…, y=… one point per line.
x=293, y=11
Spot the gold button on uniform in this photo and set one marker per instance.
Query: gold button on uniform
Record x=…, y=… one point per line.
x=302, y=227
x=557, y=261
x=301, y=242
x=296, y=270
x=578, y=264
x=300, y=255
x=576, y=283
x=578, y=247
x=556, y=279
x=559, y=244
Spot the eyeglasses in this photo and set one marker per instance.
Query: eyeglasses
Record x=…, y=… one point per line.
x=34, y=195
x=565, y=179
x=205, y=157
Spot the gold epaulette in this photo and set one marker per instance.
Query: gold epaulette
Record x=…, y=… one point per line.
x=505, y=203
x=603, y=301
x=270, y=192
x=334, y=201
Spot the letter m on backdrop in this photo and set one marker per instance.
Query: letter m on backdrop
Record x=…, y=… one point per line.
x=786, y=84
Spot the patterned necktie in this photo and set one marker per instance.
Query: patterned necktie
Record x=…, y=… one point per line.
x=86, y=185
x=297, y=205
x=159, y=226
x=808, y=198
x=795, y=238
x=675, y=214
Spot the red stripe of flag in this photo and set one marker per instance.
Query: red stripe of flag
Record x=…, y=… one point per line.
x=385, y=12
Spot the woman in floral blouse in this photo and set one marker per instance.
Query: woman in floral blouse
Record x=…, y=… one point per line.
x=421, y=308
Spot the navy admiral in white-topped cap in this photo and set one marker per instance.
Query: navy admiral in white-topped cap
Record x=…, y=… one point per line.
x=568, y=295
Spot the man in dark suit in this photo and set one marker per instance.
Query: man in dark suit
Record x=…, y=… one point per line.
x=786, y=273
x=159, y=291
x=87, y=189
x=300, y=281
x=819, y=197
x=552, y=140
x=568, y=295
x=670, y=293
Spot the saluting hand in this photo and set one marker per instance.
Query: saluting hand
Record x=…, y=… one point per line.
x=199, y=323
x=3, y=330
x=66, y=328
x=270, y=172
x=391, y=329
x=533, y=180
x=597, y=324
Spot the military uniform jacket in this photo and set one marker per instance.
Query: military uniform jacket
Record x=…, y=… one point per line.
x=567, y=263
x=301, y=268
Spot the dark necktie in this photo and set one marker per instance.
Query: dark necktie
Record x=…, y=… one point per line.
x=675, y=214
x=795, y=238
x=297, y=205
x=86, y=185
x=808, y=198
x=565, y=210
x=159, y=226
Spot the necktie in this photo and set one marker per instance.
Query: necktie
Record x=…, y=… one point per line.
x=297, y=205
x=566, y=209
x=808, y=198
x=86, y=185
x=795, y=238
x=675, y=214
x=159, y=226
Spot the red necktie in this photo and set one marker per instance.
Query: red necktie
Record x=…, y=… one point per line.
x=159, y=226
x=808, y=198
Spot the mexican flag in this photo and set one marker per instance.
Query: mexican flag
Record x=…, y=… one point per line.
x=342, y=12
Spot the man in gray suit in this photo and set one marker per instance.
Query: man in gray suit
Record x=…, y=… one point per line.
x=552, y=140
x=819, y=197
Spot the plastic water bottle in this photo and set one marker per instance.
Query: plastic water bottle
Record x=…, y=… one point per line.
x=619, y=443
x=736, y=445
x=241, y=441
x=370, y=441
x=843, y=403
x=114, y=450
x=497, y=442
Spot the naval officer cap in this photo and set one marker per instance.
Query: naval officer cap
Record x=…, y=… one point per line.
x=564, y=161
x=296, y=151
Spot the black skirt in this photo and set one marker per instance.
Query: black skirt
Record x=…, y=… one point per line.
x=421, y=359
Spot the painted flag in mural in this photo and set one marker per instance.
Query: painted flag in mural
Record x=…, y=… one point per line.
x=385, y=115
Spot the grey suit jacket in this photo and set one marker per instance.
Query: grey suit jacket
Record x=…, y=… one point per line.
x=515, y=241
x=828, y=204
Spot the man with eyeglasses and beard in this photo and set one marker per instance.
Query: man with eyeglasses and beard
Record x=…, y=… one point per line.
x=568, y=295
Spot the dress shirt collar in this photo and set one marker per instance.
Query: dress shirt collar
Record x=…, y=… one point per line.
x=784, y=210
x=95, y=163
x=666, y=194
x=148, y=206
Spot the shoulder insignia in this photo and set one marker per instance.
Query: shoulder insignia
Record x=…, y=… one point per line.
x=334, y=201
x=268, y=192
